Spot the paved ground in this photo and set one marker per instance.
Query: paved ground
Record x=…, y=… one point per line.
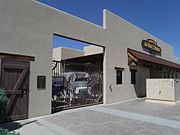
x=136, y=117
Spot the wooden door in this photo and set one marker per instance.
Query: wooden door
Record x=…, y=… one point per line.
x=14, y=78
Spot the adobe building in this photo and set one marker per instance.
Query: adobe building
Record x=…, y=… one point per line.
x=130, y=55
x=63, y=53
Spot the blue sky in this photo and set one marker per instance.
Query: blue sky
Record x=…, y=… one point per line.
x=161, y=18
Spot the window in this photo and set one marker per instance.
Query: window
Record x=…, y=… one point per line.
x=164, y=74
x=176, y=75
x=133, y=76
x=119, y=75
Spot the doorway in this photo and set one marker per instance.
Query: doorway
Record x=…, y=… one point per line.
x=14, y=80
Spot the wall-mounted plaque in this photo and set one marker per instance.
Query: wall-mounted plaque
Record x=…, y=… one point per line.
x=41, y=82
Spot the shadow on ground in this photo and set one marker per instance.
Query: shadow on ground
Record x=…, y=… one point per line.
x=11, y=126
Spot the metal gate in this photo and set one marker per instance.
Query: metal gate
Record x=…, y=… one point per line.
x=14, y=79
x=76, y=85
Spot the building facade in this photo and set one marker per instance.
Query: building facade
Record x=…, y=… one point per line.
x=27, y=28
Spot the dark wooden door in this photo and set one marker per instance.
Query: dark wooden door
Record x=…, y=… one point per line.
x=14, y=78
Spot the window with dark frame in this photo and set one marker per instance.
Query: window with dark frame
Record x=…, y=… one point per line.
x=133, y=76
x=119, y=75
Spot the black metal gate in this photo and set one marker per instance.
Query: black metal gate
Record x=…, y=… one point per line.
x=76, y=84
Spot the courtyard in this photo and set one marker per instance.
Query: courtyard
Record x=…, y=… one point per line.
x=137, y=117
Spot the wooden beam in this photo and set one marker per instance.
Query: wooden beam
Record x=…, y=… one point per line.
x=132, y=57
x=17, y=57
x=119, y=68
x=11, y=66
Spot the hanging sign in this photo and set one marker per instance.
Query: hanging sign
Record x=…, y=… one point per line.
x=151, y=45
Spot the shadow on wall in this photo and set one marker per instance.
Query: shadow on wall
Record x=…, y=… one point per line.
x=140, y=81
x=11, y=126
x=140, y=92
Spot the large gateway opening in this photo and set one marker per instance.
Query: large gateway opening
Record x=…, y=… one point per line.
x=77, y=74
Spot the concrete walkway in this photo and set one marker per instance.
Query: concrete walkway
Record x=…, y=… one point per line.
x=42, y=127
x=139, y=117
x=128, y=118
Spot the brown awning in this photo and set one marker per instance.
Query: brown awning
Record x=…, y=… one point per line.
x=137, y=56
x=80, y=59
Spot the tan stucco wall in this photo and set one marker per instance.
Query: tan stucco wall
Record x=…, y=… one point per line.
x=27, y=28
x=162, y=89
x=123, y=35
x=90, y=50
x=62, y=53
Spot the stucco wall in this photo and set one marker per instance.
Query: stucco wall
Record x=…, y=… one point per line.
x=62, y=53
x=90, y=50
x=141, y=74
x=27, y=28
x=123, y=35
x=22, y=32
x=177, y=89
